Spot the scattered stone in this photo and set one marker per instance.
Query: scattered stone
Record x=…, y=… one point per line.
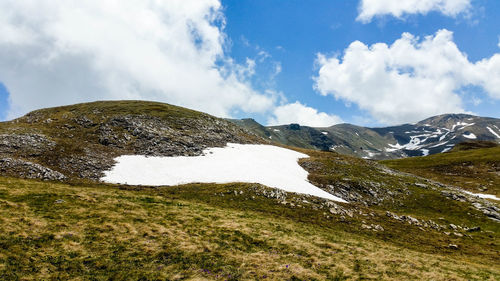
x=474, y=229
x=27, y=145
x=28, y=170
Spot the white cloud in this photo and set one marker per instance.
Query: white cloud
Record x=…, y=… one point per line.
x=409, y=80
x=55, y=52
x=303, y=115
x=397, y=8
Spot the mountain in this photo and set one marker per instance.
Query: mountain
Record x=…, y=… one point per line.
x=80, y=141
x=63, y=222
x=430, y=136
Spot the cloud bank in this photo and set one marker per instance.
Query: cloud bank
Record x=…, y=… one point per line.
x=303, y=115
x=368, y=9
x=55, y=52
x=409, y=80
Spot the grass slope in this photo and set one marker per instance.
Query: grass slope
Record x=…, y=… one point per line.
x=84, y=138
x=53, y=231
x=469, y=167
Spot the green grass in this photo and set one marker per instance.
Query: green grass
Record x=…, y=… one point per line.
x=53, y=231
x=87, y=231
x=477, y=170
x=77, y=130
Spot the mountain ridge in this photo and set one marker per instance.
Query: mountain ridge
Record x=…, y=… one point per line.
x=432, y=135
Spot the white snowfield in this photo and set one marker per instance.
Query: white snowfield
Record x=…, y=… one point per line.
x=265, y=164
x=484, y=196
x=470, y=136
x=493, y=132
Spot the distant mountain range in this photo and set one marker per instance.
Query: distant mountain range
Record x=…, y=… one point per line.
x=430, y=136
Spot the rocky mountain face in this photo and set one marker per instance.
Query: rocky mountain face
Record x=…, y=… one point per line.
x=81, y=141
x=430, y=136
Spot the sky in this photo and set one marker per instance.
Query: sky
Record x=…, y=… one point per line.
x=314, y=62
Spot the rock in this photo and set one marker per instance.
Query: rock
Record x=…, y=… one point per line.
x=453, y=246
x=454, y=227
x=474, y=229
x=334, y=211
x=366, y=226
x=27, y=145
x=25, y=169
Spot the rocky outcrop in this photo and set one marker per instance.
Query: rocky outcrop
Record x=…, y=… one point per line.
x=28, y=170
x=82, y=140
x=25, y=144
x=148, y=135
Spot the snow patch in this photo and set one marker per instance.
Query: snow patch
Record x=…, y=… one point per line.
x=276, y=130
x=463, y=125
x=446, y=150
x=425, y=152
x=470, y=136
x=443, y=136
x=265, y=164
x=480, y=195
x=324, y=133
x=493, y=132
x=371, y=154
x=439, y=144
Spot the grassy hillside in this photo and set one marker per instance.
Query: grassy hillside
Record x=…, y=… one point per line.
x=81, y=140
x=397, y=227
x=217, y=232
x=467, y=166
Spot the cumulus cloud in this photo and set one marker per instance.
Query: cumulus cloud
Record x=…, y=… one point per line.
x=397, y=8
x=409, y=80
x=55, y=52
x=303, y=115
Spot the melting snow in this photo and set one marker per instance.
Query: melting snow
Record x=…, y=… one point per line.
x=463, y=124
x=446, y=149
x=425, y=152
x=394, y=147
x=493, y=132
x=470, y=136
x=439, y=144
x=443, y=136
x=370, y=154
x=485, y=196
x=265, y=164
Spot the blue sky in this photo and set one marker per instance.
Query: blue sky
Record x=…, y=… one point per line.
x=294, y=32
x=276, y=61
